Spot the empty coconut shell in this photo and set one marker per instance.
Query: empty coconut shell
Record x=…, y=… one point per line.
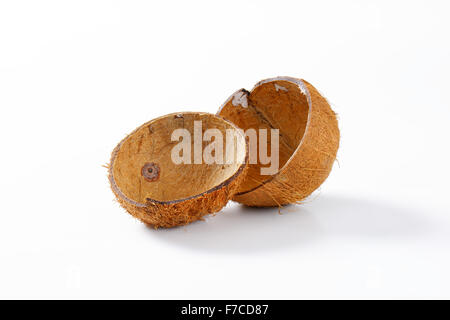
x=153, y=188
x=308, y=139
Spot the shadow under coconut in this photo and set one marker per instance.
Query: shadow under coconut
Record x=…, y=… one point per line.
x=240, y=229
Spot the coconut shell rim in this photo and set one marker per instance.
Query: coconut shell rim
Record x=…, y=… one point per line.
x=150, y=201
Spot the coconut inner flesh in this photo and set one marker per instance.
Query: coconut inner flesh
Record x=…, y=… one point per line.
x=143, y=166
x=276, y=104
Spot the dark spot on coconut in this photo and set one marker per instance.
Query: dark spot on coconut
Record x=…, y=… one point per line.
x=150, y=171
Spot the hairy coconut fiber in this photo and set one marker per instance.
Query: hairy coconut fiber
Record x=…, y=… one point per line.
x=151, y=187
x=308, y=139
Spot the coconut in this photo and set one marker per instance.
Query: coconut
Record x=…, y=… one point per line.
x=161, y=192
x=308, y=139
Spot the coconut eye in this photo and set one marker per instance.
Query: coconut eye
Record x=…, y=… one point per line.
x=150, y=172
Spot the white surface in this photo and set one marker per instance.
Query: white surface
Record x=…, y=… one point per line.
x=76, y=76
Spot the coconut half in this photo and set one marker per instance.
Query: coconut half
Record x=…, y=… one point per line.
x=153, y=188
x=308, y=139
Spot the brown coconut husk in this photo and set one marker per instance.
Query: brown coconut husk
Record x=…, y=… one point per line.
x=308, y=143
x=152, y=188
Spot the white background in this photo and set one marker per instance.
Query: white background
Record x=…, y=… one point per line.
x=76, y=76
